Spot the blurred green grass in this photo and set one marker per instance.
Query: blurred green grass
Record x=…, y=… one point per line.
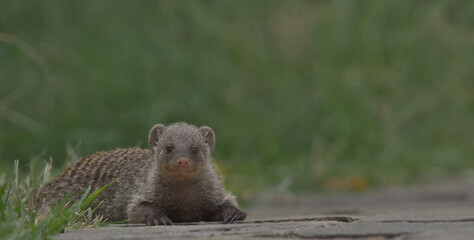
x=299, y=93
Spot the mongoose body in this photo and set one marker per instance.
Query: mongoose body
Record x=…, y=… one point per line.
x=173, y=181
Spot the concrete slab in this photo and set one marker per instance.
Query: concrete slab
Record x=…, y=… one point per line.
x=439, y=212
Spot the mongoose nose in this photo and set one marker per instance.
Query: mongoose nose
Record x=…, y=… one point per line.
x=183, y=162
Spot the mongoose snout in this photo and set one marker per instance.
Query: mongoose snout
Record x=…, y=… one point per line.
x=173, y=181
x=183, y=163
x=181, y=169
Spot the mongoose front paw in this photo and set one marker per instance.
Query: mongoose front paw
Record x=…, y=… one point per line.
x=157, y=218
x=232, y=214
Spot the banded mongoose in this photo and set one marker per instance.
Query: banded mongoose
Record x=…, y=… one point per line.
x=173, y=181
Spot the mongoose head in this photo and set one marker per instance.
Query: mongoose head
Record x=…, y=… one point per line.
x=182, y=150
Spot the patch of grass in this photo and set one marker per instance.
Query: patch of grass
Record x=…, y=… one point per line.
x=18, y=213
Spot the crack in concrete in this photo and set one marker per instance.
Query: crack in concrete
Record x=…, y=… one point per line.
x=430, y=221
x=292, y=234
x=307, y=219
x=224, y=229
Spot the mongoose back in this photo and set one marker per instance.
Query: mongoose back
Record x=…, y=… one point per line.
x=173, y=181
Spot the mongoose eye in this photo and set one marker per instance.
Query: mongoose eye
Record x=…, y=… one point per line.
x=194, y=149
x=169, y=149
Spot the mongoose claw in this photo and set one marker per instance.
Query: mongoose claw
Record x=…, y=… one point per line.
x=232, y=214
x=165, y=221
x=155, y=219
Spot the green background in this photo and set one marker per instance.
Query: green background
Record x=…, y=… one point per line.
x=302, y=95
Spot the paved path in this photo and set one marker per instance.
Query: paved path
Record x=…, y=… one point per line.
x=435, y=212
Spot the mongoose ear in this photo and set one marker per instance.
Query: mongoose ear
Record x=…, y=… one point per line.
x=155, y=134
x=209, y=137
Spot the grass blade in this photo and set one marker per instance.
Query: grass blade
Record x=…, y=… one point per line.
x=87, y=202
